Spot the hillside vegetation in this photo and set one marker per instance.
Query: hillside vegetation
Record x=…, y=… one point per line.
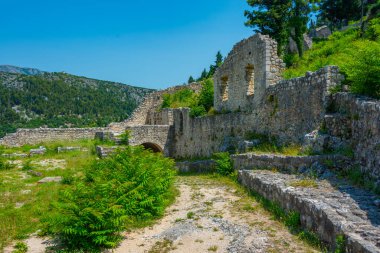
x=357, y=55
x=63, y=100
x=199, y=104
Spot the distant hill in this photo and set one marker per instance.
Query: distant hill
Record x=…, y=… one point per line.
x=63, y=100
x=20, y=70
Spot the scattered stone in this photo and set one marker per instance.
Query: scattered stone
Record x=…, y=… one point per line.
x=40, y=151
x=13, y=155
x=26, y=191
x=19, y=205
x=68, y=149
x=103, y=152
x=320, y=32
x=50, y=180
x=377, y=202
x=35, y=173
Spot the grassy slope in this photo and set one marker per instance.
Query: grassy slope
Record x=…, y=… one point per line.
x=357, y=56
x=17, y=223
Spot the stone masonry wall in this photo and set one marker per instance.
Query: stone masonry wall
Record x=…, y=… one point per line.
x=39, y=135
x=356, y=120
x=251, y=67
x=149, y=107
x=163, y=117
x=291, y=109
x=160, y=135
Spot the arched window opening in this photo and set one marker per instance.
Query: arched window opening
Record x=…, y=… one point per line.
x=224, y=82
x=250, y=79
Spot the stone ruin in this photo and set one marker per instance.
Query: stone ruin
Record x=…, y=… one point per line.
x=251, y=97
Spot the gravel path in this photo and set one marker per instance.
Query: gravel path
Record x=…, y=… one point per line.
x=212, y=216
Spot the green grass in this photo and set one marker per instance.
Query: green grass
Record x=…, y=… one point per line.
x=15, y=184
x=358, y=58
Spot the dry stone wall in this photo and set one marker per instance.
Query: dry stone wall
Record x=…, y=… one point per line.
x=291, y=109
x=38, y=135
x=356, y=120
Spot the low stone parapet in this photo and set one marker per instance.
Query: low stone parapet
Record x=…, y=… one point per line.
x=326, y=210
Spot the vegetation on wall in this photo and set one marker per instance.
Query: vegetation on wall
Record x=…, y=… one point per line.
x=63, y=100
x=200, y=104
x=126, y=190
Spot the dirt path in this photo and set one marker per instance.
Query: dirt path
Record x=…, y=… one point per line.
x=209, y=215
x=212, y=216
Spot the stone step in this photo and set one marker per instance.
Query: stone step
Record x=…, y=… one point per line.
x=328, y=210
x=289, y=164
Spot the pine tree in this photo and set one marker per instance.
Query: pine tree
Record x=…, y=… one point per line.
x=219, y=59
x=204, y=74
x=191, y=80
x=339, y=12
x=270, y=17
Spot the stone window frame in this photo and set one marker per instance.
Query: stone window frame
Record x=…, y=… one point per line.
x=250, y=79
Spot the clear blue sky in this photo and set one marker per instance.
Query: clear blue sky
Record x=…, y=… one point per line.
x=147, y=43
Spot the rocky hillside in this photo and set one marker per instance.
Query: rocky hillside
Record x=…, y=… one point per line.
x=20, y=70
x=63, y=100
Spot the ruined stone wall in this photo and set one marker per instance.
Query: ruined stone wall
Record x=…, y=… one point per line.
x=151, y=104
x=251, y=67
x=38, y=135
x=291, y=109
x=356, y=120
x=150, y=134
x=163, y=117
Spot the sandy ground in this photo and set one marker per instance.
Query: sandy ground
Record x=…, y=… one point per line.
x=207, y=216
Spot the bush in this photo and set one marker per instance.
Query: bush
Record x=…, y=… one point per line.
x=124, y=138
x=363, y=71
x=20, y=247
x=224, y=164
x=118, y=192
x=4, y=165
x=358, y=58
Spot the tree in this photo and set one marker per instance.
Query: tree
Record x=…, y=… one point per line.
x=339, y=12
x=191, y=80
x=270, y=17
x=300, y=13
x=204, y=74
x=219, y=59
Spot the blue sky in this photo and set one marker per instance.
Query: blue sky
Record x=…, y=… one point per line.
x=147, y=43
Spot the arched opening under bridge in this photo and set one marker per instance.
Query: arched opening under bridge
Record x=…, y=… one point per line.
x=152, y=146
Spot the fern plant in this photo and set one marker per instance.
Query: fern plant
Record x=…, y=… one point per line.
x=129, y=186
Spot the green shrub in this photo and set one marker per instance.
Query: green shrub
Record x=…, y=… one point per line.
x=224, y=164
x=358, y=58
x=363, y=71
x=199, y=104
x=197, y=111
x=124, y=138
x=118, y=192
x=340, y=244
x=4, y=164
x=20, y=247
